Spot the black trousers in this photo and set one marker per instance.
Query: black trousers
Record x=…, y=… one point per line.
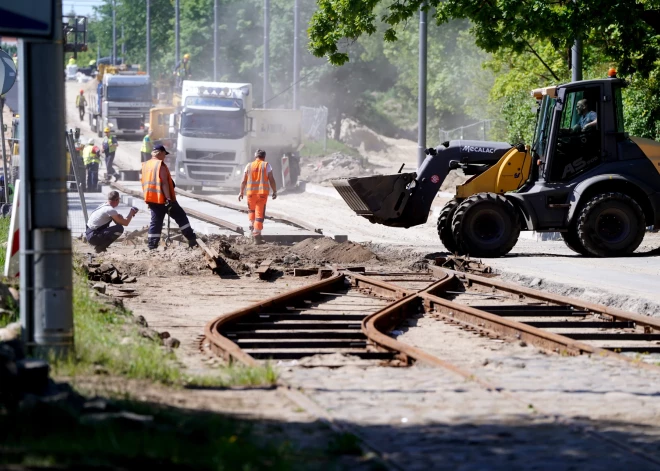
x=105, y=235
x=81, y=111
x=109, y=158
x=158, y=213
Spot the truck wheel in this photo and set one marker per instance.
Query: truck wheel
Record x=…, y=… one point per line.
x=611, y=225
x=572, y=241
x=444, y=226
x=486, y=225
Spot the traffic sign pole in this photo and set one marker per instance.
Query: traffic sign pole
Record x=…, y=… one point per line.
x=45, y=240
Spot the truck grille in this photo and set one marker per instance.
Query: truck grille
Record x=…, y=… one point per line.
x=209, y=172
x=129, y=123
x=210, y=156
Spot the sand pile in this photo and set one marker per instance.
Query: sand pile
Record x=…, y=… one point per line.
x=320, y=250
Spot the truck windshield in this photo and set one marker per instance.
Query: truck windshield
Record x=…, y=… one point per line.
x=138, y=93
x=213, y=124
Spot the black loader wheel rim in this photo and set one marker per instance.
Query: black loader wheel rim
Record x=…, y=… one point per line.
x=613, y=225
x=487, y=226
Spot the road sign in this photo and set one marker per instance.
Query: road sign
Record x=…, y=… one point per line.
x=27, y=18
x=7, y=72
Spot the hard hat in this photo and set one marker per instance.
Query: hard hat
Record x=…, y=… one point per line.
x=106, y=130
x=90, y=142
x=186, y=56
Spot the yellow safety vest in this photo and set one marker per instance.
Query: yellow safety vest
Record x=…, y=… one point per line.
x=90, y=156
x=257, y=183
x=111, y=142
x=147, y=146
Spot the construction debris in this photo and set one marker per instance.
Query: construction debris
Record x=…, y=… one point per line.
x=305, y=271
x=464, y=264
x=264, y=270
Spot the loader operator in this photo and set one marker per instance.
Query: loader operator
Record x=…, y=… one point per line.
x=588, y=119
x=99, y=232
x=258, y=179
x=182, y=71
x=81, y=102
x=158, y=188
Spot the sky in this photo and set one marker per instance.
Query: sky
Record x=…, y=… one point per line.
x=81, y=7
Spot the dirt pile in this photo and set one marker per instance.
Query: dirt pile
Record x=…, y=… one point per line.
x=177, y=259
x=333, y=166
x=329, y=251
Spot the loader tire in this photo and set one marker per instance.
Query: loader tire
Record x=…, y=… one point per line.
x=572, y=241
x=444, y=226
x=486, y=225
x=611, y=225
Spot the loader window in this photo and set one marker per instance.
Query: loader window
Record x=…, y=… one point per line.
x=578, y=142
x=618, y=105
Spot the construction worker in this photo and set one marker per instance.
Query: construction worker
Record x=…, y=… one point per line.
x=182, y=70
x=72, y=61
x=81, y=102
x=258, y=179
x=99, y=233
x=109, y=148
x=92, y=160
x=147, y=147
x=158, y=188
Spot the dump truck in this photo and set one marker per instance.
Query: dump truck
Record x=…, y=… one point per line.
x=122, y=102
x=596, y=185
x=217, y=131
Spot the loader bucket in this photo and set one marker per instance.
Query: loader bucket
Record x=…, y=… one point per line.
x=380, y=198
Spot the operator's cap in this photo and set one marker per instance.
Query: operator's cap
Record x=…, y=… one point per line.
x=161, y=147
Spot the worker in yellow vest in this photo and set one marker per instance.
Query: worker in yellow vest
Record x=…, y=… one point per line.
x=158, y=189
x=72, y=61
x=147, y=147
x=110, y=145
x=81, y=102
x=92, y=160
x=258, y=180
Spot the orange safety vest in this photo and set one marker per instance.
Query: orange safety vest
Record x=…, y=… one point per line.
x=151, y=183
x=257, y=183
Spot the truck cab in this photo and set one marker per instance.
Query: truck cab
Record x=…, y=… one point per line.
x=213, y=142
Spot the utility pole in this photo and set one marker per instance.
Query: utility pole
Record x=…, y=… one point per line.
x=576, y=60
x=177, y=56
x=421, y=104
x=114, y=32
x=215, y=40
x=98, y=53
x=45, y=240
x=149, y=38
x=123, y=46
x=266, y=49
x=296, y=53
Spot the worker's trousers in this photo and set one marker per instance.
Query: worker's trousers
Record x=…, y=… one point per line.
x=109, y=158
x=81, y=111
x=158, y=213
x=105, y=235
x=256, y=212
x=92, y=176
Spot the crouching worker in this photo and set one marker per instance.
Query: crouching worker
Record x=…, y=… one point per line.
x=100, y=233
x=158, y=188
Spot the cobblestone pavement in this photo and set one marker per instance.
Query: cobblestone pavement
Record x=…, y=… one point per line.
x=548, y=412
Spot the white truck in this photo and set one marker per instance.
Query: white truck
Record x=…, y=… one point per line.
x=217, y=132
x=121, y=103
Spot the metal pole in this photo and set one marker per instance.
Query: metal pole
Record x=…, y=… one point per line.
x=45, y=240
x=177, y=55
x=215, y=41
x=123, y=46
x=266, y=49
x=576, y=60
x=421, y=104
x=114, y=32
x=98, y=53
x=149, y=38
x=296, y=53
x=4, y=151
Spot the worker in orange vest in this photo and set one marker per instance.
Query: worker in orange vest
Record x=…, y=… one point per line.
x=158, y=189
x=258, y=180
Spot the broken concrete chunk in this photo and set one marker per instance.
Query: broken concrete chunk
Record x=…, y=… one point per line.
x=99, y=287
x=150, y=334
x=140, y=320
x=164, y=335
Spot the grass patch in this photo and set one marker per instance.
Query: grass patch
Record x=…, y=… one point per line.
x=108, y=342
x=4, y=233
x=315, y=149
x=64, y=434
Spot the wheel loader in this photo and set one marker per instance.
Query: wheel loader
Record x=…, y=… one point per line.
x=583, y=176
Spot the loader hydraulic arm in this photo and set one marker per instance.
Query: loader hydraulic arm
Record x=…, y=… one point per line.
x=404, y=199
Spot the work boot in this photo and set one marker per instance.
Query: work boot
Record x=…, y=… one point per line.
x=192, y=243
x=258, y=240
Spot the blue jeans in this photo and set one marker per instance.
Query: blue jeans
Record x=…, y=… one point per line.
x=92, y=176
x=105, y=235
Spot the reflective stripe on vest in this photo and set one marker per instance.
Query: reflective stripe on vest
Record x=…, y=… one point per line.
x=257, y=183
x=151, y=183
x=147, y=146
x=89, y=156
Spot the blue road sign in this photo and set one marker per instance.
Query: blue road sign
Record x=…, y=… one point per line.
x=7, y=72
x=27, y=18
